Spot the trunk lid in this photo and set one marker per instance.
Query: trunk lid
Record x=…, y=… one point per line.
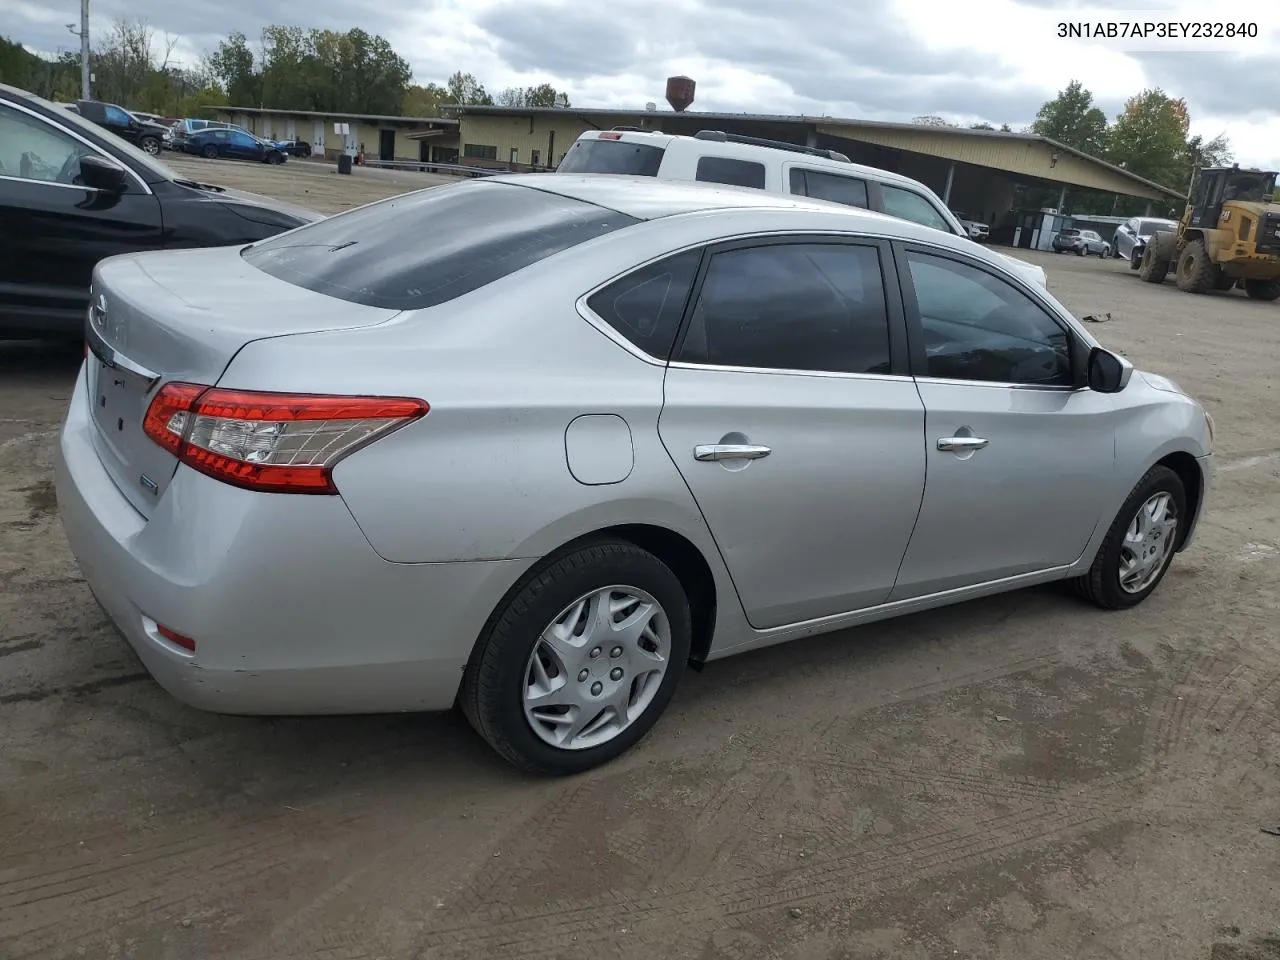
x=182, y=315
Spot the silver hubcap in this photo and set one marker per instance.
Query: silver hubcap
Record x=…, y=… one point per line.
x=1148, y=543
x=596, y=668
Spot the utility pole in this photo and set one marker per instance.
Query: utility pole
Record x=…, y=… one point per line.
x=84, y=50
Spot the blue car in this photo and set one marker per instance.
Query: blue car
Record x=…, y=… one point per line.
x=232, y=145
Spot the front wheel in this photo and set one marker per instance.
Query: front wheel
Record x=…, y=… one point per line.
x=578, y=663
x=1140, y=544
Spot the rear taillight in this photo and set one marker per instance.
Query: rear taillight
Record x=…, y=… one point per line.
x=271, y=442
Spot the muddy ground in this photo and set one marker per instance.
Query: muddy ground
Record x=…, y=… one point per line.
x=1023, y=777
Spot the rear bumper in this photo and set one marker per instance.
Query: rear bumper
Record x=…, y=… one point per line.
x=291, y=610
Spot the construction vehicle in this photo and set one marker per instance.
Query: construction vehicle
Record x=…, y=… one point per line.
x=1228, y=235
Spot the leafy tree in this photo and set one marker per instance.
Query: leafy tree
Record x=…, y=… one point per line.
x=424, y=101
x=234, y=65
x=981, y=125
x=543, y=95
x=1072, y=119
x=930, y=120
x=464, y=88
x=1149, y=138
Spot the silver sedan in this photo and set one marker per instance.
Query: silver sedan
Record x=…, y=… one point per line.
x=534, y=443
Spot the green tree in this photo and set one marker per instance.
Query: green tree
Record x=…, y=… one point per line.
x=1149, y=138
x=234, y=65
x=464, y=88
x=543, y=95
x=424, y=101
x=1072, y=119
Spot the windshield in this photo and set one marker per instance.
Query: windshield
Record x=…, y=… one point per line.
x=140, y=161
x=612, y=156
x=1250, y=187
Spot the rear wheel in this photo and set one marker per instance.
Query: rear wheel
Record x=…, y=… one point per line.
x=576, y=666
x=1140, y=544
x=1262, y=289
x=1196, y=272
x=150, y=145
x=209, y=151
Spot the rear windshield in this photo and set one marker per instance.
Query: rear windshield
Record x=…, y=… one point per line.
x=612, y=156
x=1071, y=233
x=1151, y=226
x=428, y=247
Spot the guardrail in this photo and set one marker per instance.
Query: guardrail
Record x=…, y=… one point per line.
x=454, y=169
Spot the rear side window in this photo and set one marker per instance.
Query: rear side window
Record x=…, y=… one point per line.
x=735, y=173
x=646, y=306
x=428, y=247
x=612, y=156
x=906, y=205
x=850, y=191
x=793, y=306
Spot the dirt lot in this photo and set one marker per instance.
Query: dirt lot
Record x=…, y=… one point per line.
x=1020, y=778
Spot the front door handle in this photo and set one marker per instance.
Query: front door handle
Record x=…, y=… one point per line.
x=707, y=452
x=959, y=444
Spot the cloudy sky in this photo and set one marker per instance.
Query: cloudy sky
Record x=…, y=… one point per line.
x=992, y=60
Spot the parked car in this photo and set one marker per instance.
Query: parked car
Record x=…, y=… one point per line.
x=150, y=137
x=72, y=194
x=1131, y=237
x=294, y=147
x=232, y=145
x=977, y=230
x=399, y=441
x=1080, y=242
x=713, y=156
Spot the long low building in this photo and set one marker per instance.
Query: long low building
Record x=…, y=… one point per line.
x=421, y=139
x=974, y=171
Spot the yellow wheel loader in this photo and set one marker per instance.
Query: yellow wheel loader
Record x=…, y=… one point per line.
x=1229, y=235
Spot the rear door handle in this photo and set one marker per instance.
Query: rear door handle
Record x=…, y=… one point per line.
x=958, y=444
x=707, y=452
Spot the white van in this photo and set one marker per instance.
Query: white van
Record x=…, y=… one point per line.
x=713, y=156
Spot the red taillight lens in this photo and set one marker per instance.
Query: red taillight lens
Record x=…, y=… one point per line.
x=271, y=442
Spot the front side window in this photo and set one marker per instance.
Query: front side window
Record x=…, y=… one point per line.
x=646, y=306
x=907, y=205
x=734, y=173
x=978, y=327
x=832, y=187
x=117, y=116
x=792, y=306
x=425, y=248
x=35, y=150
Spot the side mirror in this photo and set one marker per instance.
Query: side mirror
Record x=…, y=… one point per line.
x=102, y=174
x=1108, y=372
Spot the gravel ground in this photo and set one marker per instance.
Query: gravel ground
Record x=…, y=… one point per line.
x=1021, y=777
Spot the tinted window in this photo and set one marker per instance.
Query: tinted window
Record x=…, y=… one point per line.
x=736, y=173
x=850, y=191
x=612, y=156
x=906, y=205
x=792, y=307
x=243, y=139
x=1151, y=226
x=35, y=150
x=426, y=248
x=977, y=327
x=116, y=115
x=646, y=306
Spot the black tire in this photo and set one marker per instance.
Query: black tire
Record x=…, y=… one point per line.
x=1196, y=272
x=209, y=152
x=1154, y=267
x=1262, y=289
x=1135, y=258
x=1101, y=585
x=1080, y=251
x=306, y=150
x=493, y=685
x=150, y=145
x=274, y=158
x=1103, y=253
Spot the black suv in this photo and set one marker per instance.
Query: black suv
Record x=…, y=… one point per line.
x=71, y=194
x=144, y=134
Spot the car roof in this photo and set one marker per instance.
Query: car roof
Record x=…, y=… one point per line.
x=756, y=151
x=650, y=198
